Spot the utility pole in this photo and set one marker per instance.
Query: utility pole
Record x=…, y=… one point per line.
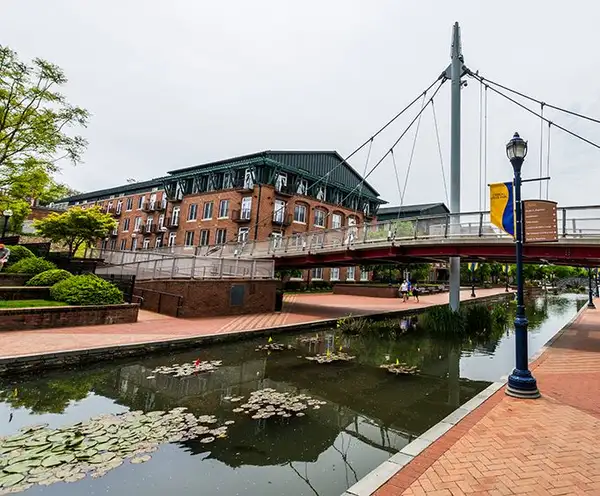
x=456, y=71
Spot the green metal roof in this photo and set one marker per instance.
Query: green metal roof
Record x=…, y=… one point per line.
x=126, y=189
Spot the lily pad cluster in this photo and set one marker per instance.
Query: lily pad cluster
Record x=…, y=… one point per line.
x=44, y=456
x=267, y=403
x=331, y=357
x=274, y=347
x=310, y=339
x=177, y=370
x=400, y=368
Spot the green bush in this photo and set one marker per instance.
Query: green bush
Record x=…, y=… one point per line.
x=442, y=321
x=30, y=265
x=18, y=253
x=49, y=278
x=500, y=315
x=86, y=290
x=478, y=320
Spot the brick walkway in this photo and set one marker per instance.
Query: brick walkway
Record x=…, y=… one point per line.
x=153, y=327
x=507, y=446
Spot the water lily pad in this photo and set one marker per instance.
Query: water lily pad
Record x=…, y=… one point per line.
x=101, y=458
x=206, y=440
x=140, y=459
x=10, y=480
x=74, y=477
x=52, y=461
x=229, y=422
x=22, y=467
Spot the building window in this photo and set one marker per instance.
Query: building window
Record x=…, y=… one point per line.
x=189, y=238
x=296, y=241
x=221, y=238
x=317, y=273
x=129, y=204
x=366, y=209
x=141, y=201
x=113, y=244
x=246, y=208
x=335, y=274
x=243, y=234
x=134, y=244
x=279, y=212
x=337, y=198
x=364, y=275
x=152, y=201
x=350, y=275
x=175, y=217
x=302, y=188
x=336, y=221
x=119, y=206
x=158, y=242
x=208, y=211
x=319, y=218
x=137, y=223
x=223, y=209
x=211, y=183
x=192, y=212
x=228, y=180
x=300, y=214
x=126, y=224
x=248, y=179
x=204, y=237
x=172, y=239
x=321, y=193
x=276, y=240
x=281, y=181
x=161, y=221
x=149, y=222
x=123, y=246
x=146, y=243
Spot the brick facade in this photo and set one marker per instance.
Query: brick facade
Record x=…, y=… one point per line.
x=20, y=319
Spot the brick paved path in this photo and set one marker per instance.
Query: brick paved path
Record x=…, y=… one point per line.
x=153, y=327
x=507, y=446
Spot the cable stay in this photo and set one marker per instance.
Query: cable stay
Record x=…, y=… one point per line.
x=397, y=179
x=439, y=146
x=480, y=176
x=541, y=145
x=485, y=142
x=412, y=154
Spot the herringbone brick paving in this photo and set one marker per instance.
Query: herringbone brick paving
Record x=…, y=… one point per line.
x=549, y=446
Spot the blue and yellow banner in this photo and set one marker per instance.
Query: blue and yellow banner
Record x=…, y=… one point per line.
x=502, y=210
x=473, y=266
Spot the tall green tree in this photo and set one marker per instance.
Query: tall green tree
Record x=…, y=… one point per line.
x=36, y=121
x=76, y=227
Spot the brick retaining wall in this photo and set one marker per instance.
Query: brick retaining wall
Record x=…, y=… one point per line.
x=14, y=279
x=20, y=319
x=24, y=292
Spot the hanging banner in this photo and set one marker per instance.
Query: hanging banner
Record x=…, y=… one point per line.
x=502, y=207
x=473, y=266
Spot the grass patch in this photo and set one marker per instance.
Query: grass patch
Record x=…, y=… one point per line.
x=30, y=303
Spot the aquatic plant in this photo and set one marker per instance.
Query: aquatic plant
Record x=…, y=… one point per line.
x=352, y=325
x=500, y=315
x=392, y=327
x=400, y=368
x=39, y=455
x=196, y=367
x=266, y=403
x=477, y=319
x=330, y=357
x=273, y=347
x=442, y=321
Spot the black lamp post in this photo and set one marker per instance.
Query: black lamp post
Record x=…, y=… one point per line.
x=7, y=215
x=590, y=290
x=506, y=274
x=521, y=384
x=473, y=295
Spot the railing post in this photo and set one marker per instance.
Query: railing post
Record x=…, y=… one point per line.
x=564, y=222
x=446, y=226
x=366, y=233
x=159, y=301
x=287, y=243
x=237, y=266
x=574, y=222
x=312, y=238
x=253, y=269
x=221, y=264
x=154, y=269
x=173, y=268
x=122, y=258
x=137, y=270
x=416, y=232
x=480, y=224
x=193, y=268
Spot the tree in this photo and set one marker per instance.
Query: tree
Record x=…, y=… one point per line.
x=76, y=227
x=34, y=119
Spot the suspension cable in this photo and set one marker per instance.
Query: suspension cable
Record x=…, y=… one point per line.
x=485, y=142
x=397, y=180
x=575, y=135
x=548, y=160
x=360, y=191
x=412, y=153
x=439, y=146
x=480, y=177
x=541, y=145
x=560, y=109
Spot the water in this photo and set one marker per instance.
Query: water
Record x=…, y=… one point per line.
x=369, y=414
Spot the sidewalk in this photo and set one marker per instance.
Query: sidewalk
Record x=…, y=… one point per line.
x=151, y=327
x=506, y=446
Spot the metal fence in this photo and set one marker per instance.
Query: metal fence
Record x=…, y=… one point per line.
x=193, y=268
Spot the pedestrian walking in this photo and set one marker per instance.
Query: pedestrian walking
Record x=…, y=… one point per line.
x=415, y=292
x=4, y=254
x=404, y=291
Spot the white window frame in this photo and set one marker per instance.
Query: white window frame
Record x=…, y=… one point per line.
x=243, y=234
x=321, y=193
x=175, y=216
x=129, y=205
x=336, y=221
x=248, y=179
x=334, y=274
x=113, y=244
x=146, y=244
x=152, y=200
x=189, y=238
x=228, y=179
x=276, y=240
x=223, y=212
x=364, y=275
x=224, y=237
x=137, y=223
x=204, y=237
x=172, y=239
x=207, y=210
x=141, y=202
x=314, y=272
x=158, y=242
x=192, y=212
x=302, y=188
x=281, y=181
x=297, y=209
x=161, y=221
x=126, y=224
x=351, y=274
x=119, y=207
x=279, y=211
x=149, y=222
x=123, y=245
x=246, y=208
x=134, y=242
x=323, y=213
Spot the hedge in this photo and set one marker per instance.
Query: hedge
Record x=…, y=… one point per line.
x=86, y=290
x=18, y=253
x=49, y=277
x=30, y=265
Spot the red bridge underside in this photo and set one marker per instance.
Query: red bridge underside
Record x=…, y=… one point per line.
x=557, y=253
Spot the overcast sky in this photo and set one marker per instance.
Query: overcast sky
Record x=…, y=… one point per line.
x=172, y=84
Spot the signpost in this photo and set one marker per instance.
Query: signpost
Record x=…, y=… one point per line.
x=539, y=221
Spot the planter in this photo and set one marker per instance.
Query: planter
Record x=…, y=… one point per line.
x=14, y=279
x=20, y=319
x=24, y=292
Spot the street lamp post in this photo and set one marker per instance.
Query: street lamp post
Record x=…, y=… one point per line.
x=473, y=295
x=7, y=215
x=521, y=383
x=506, y=274
x=590, y=290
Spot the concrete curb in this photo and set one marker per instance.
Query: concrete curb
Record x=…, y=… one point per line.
x=384, y=472
x=45, y=361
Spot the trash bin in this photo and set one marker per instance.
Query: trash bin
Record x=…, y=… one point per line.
x=278, y=300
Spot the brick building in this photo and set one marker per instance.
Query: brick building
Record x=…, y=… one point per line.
x=258, y=197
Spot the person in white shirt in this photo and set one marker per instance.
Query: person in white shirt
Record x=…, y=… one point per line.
x=404, y=291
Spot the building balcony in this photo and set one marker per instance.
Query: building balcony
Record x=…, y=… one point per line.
x=285, y=190
x=282, y=220
x=172, y=223
x=118, y=212
x=241, y=216
x=114, y=233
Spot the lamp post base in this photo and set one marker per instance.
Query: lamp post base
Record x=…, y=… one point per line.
x=591, y=305
x=521, y=384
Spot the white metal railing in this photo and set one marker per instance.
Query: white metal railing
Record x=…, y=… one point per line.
x=194, y=268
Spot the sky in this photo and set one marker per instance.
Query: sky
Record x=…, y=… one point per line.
x=173, y=84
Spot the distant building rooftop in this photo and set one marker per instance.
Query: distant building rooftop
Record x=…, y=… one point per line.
x=388, y=213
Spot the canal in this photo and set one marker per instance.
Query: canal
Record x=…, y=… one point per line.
x=355, y=416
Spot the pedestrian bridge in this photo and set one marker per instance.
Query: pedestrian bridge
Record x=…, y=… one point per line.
x=421, y=239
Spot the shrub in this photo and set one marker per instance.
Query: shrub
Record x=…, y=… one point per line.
x=442, y=321
x=500, y=315
x=49, y=278
x=352, y=325
x=86, y=290
x=478, y=320
x=31, y=265
x=18, y=253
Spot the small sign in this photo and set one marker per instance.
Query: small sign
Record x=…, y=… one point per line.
x=539, y=221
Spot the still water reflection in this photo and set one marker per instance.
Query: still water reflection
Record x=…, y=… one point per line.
x=369, y=414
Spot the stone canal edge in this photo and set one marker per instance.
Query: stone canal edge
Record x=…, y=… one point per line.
x=406, y=466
